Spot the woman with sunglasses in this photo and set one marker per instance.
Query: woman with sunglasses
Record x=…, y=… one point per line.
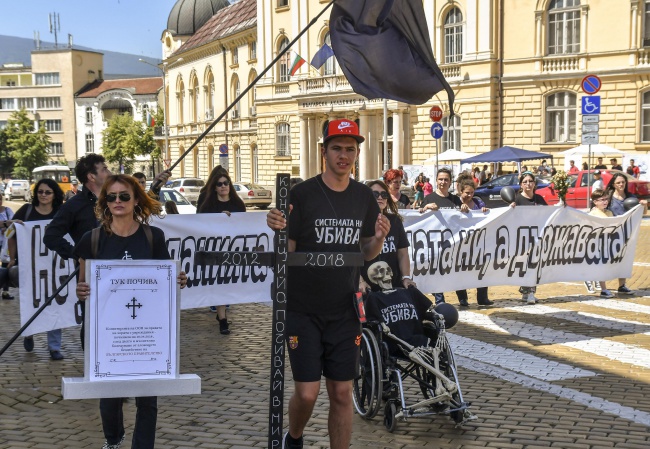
x=527, y=197
x=48, y=197
x=123, y=209
x=617, y=192
x=395, y=249
x=220, y=197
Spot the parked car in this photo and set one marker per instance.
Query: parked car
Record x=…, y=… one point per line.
x=577, y=194
x=189, y=187
x=490, y=192
x=253, y=194
x=183, y=204
x=17, y=188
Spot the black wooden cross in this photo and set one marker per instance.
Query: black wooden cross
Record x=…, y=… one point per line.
x=132, y=306
x=279, y=260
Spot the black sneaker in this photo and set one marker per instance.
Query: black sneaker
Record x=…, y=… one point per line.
x=487, y=302
x=28, y=343
x=288, y=442
x=223, y=326
x=6, y=295
x=625, y=291
x=56, y=355
x=463, y=303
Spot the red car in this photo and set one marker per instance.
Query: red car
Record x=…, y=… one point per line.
x=577, y=194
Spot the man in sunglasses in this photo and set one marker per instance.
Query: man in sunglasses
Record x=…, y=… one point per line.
x=330, y=213
x=77, y=216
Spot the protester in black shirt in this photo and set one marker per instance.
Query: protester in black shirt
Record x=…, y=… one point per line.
x=48, y=198
x=527, y=197
x=441, y=198
x=600, y=165
x=393, y=179
x=395, y=249
x=220, y=196
x=330, y=212
x=615, y=165
x=124, y=210
x=214, y=175
x=77, y=216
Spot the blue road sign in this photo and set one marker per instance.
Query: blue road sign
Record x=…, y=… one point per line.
x=437, y=130
x=591, y=84
x=591, y=105
x=223, y=149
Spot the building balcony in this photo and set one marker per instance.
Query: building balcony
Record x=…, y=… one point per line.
x=561, y=64
x=450, y=71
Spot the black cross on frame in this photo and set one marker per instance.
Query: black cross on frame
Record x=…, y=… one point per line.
x=280, y=260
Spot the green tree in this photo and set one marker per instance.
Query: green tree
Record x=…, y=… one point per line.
x=126, y=138
x=6, y=161
x=26, y=146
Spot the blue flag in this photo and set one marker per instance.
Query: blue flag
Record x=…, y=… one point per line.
x=383, y=48
x=321, y=56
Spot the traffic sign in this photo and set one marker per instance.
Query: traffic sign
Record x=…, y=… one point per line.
x=591, y=84
x=590, y=128
x=435, y=113
x=437, y=130
x=590, y=139
x=591, y=105
x=223, y=149
x=590, y=119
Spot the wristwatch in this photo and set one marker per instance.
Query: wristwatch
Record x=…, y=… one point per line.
x=406, y=277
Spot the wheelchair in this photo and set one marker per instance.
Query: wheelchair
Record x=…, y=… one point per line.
x=383, y=373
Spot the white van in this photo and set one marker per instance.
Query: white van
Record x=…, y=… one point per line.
x=17, y=188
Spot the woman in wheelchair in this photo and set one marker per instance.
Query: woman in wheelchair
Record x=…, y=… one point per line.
x=405, y=338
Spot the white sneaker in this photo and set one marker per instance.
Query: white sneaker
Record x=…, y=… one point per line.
x=597, y=285
x=531, y=298
x=590, y=287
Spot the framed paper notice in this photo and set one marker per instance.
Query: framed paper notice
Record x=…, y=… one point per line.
x=132, y=320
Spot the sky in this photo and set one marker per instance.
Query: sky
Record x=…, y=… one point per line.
x=127, y=26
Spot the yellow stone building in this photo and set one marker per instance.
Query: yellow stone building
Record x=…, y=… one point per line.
x=515, y=65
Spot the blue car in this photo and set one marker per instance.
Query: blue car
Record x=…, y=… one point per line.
x=490, y=192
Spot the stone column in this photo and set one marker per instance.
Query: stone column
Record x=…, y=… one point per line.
x=314, y=149
x=373, y=141
x=398, y=141
x=304, y=148
x=363, y=148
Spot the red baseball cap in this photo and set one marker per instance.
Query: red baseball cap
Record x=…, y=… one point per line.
x=342, y=128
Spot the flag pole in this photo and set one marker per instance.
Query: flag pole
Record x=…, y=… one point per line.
x=157, y=182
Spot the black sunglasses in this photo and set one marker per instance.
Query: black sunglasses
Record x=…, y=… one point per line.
x=45, y=192
x=383, y=195
x=111, y=197
x=219, y=183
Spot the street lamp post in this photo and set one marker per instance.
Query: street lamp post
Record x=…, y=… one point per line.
x=163, y=70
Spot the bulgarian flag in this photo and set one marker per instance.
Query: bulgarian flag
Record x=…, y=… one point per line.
x=297, y=63
x=150, y=119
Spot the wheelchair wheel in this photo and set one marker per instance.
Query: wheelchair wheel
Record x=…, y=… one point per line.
x=448, y=366
x=390, y=422
x=367, y=386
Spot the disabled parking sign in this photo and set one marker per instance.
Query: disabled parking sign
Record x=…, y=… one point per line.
x=591, y=105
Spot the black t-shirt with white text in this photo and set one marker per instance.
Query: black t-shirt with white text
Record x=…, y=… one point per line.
x=402, y=310
x=114, y=247
x=324, y=220
x=396, y=239
x=444, y=202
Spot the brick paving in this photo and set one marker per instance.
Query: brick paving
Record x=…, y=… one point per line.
x=609, y=409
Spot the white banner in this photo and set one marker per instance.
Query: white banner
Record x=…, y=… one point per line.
x=449, y=250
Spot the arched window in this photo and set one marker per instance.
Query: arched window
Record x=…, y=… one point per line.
x=453, y=30
x=89, y=115
x=252, y=94
x=236, y=90
x=180, y=95
x=645, y=118
x=282, y=139
x=284, y=63
x=561, y=117
x=237, y=162
x=564, y=27
x=194, y=99
x=330, y=65
x=451, y=137
x=255, y=163
x=209, y=96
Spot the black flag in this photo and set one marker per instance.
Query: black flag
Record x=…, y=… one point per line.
x=384, y=50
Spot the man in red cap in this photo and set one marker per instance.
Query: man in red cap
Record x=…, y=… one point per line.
x=329, y=213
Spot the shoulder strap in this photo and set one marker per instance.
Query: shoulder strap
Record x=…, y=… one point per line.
x=94, y=242
x=147, y=232
x=29, y=211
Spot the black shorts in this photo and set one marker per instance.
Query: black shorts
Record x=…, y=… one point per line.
x=327, y=346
